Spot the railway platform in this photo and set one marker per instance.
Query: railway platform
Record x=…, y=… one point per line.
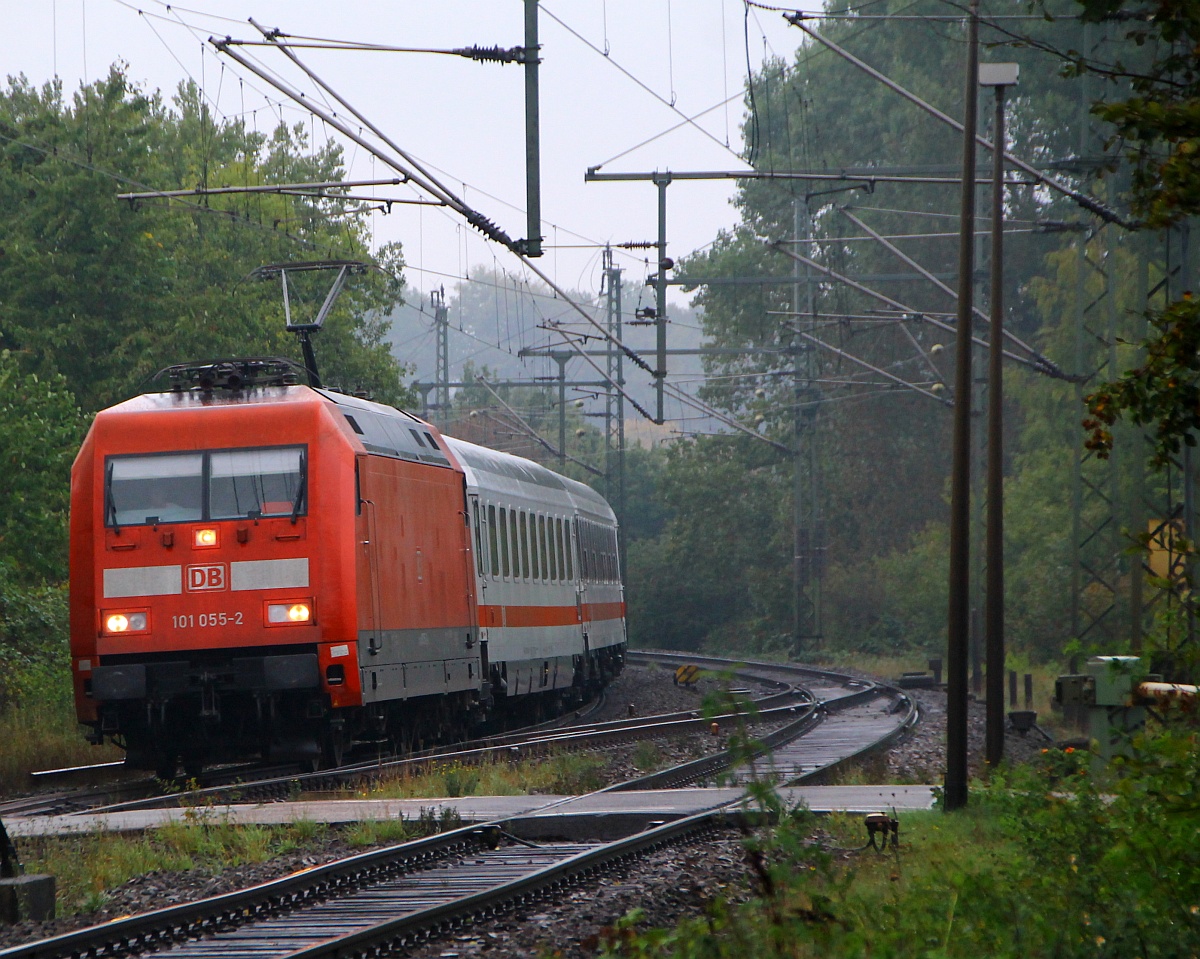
x=650, y=806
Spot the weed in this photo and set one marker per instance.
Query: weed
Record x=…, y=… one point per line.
x=461, y=780
x=306, y=830
x=647, y=755
x=94, y=901
x=374, y=832
x=560, y=773
x=87, y=865
x=43, y=736
x=1047, y=860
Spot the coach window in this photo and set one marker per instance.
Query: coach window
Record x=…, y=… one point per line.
x=589, y=552
x=570, y=547
x=504, y=541
x=478, y=538
x=515, y=541
x=154, y=489
x=535, y=566
x=524, y=545
x=494, y=550
x=547, y=565
x=266, y=482
x=558, y=547
x=590, y=540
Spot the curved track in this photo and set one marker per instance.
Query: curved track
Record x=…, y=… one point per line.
x=391, y=898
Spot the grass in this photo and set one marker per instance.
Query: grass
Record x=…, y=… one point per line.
x=44, y=737
x=557, y=774
x=1051, y=859
x=88, y=866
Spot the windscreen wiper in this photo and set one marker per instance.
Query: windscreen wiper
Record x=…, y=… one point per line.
x=110, y=504
x=299, y=500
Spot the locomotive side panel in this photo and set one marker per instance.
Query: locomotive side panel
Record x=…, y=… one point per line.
x=416, y=635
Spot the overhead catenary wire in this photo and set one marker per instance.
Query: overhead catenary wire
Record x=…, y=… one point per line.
x=665, y=102
x=1082, y=199
x=433, y=186
x=533, y=434
x=903, y=308
x=1049, y=365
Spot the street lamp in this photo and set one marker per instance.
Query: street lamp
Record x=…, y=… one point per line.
x=999, y=76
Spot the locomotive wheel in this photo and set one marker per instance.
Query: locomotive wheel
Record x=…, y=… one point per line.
x=165, y=768
x=333, y=748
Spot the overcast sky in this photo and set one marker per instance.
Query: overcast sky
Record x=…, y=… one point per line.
x=463, y=118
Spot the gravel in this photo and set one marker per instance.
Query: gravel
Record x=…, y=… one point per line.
x=672, y=884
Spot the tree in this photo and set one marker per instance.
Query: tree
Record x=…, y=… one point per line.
x=1160, y=126
x=105, y=293
x=40, y=430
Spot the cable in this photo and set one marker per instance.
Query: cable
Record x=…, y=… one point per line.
x=591, y=46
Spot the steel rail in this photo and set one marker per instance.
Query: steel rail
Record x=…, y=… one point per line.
x=163, y=928
x=528, y=743
x=549, y=881
x=622, y=731
x=273, y=782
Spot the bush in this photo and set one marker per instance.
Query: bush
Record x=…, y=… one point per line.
x=1048, y=860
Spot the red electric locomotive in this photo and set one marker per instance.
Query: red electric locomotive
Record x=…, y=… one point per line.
x=261, y=568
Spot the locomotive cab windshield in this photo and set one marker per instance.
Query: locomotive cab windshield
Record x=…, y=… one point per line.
x=208, y=485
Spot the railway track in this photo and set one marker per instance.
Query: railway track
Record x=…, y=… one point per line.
x=394, y=898
x=257, y=783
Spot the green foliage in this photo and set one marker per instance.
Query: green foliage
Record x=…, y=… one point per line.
x=106, y=293
x=35, y=665
x=1160, y=124
x=1160, y=121
x=719, y=568
x=1163, y=392
x=40, y=429
x=1046, y=862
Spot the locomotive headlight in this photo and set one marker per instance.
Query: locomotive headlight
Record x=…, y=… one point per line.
x=205, y=538
x=289, y=614
x=125, y=622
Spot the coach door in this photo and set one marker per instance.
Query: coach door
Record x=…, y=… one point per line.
x=581, y=582
x=477, y=594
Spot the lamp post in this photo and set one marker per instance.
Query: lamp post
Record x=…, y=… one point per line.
x=999, y=76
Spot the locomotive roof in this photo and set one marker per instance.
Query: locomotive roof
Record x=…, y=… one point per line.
x=516, y=470
x=389, y=431
x=195, y=399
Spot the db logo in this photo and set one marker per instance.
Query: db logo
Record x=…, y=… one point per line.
x=201, y=578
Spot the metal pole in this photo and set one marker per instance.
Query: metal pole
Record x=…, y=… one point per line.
x=441, y=314
x=958, y=621
x=621, y=513
x=533, y=163
x=797, y=476
x=562, y=409
x=660, y=300
x=994, y=614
